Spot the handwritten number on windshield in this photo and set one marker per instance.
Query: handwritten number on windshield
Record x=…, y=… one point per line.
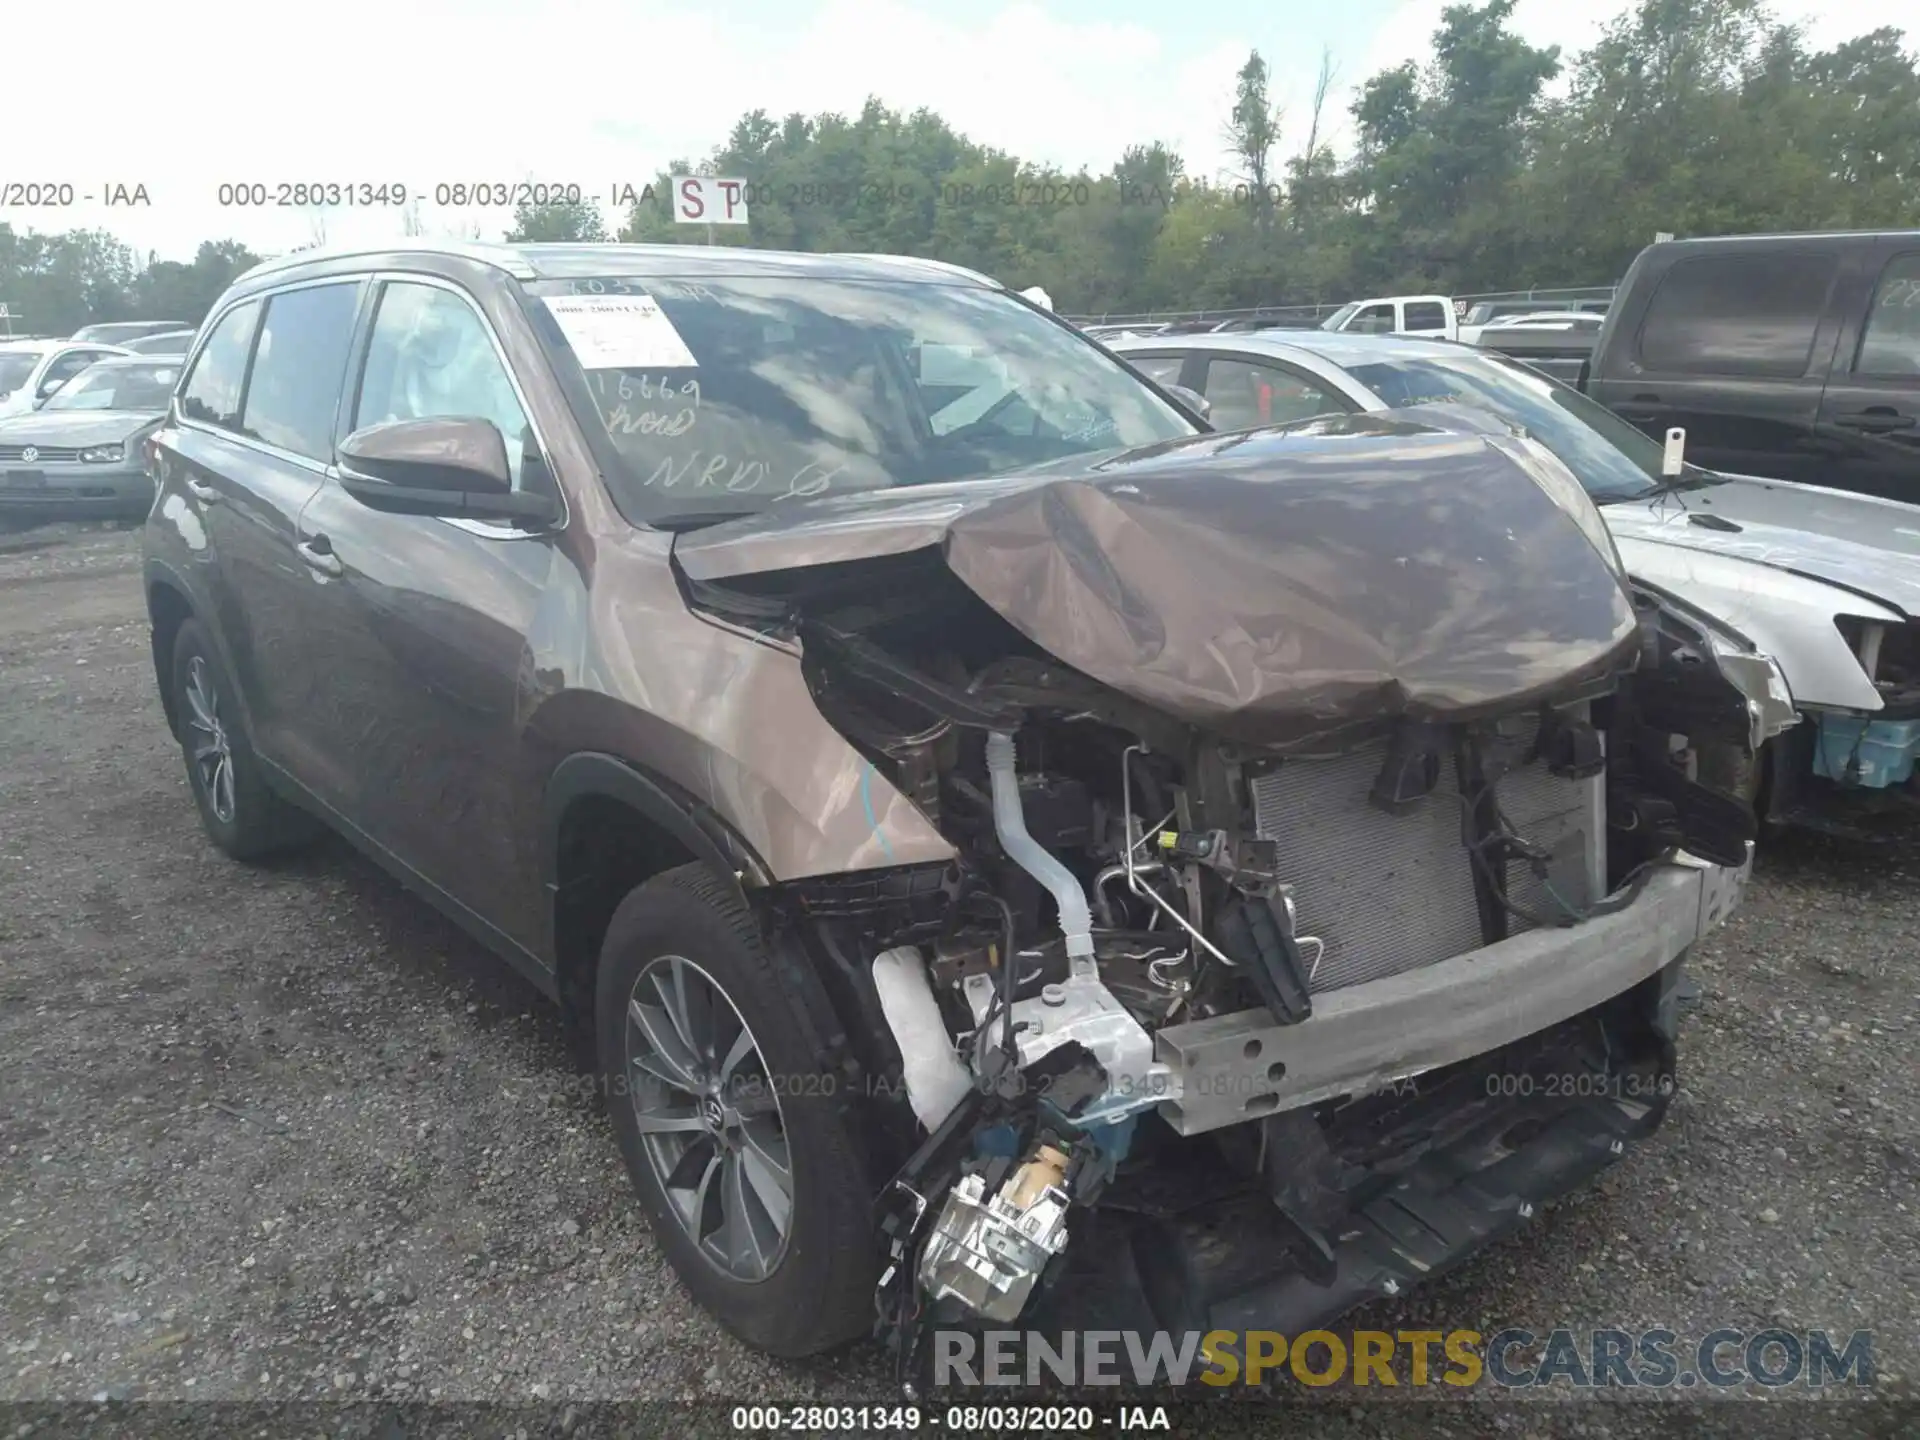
x=609, y=383
x=1900, y=294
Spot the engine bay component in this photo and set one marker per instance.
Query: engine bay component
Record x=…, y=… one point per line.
x=1009, y=823
x=988, y=1251
x=1412, y=767
x=1248, y=863
x=1082, y=1009
x=936, y=1081
x=1257, y=932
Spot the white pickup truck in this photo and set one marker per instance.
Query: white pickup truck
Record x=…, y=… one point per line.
x=1431, y=316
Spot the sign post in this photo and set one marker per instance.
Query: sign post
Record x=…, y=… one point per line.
x=709, y=200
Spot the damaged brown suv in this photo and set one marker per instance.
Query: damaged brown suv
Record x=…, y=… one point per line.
x=1006, y=851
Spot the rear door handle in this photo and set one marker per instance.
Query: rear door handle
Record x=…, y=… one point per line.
x=1877, y=419
x=203, y=492
x=316, y=552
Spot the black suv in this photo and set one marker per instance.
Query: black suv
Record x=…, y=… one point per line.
x=1790, y=356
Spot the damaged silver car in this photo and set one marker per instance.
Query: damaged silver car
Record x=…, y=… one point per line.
x=1005, y=852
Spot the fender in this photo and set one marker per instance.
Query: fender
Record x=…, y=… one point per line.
x=154, y=569
x=705, y=834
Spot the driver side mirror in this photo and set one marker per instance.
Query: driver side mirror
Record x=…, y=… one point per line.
x=454, y=466
x=1192, y=399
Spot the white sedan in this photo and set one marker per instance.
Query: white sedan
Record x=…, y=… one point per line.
x=32, y=370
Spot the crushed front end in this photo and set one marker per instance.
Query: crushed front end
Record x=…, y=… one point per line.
x=1331, y=832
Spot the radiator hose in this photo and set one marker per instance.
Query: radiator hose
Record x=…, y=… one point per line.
x=1010, y=824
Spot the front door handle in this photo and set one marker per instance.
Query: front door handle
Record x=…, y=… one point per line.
x=1876, y=420
x=316, y=552
x=203, y=492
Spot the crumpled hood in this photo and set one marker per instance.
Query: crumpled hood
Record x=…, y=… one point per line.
x=1271, y=584
x=1858, y=542
x=73, y=428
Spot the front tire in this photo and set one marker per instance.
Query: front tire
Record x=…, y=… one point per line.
x=740, y=1145
x=240, y=814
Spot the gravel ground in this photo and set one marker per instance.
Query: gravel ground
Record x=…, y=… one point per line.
x=283, y=1133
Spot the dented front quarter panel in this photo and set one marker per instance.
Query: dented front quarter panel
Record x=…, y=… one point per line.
x=728, y=718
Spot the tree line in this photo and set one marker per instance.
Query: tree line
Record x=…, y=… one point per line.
x=54, y=284
x=1496, y=164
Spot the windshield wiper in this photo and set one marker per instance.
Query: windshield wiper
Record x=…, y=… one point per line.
x=1692, y=478
x=697, y=520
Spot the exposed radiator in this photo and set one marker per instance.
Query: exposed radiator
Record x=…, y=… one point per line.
x=1390, y=893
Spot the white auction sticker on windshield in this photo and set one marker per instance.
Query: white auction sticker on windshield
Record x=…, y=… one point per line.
x=620, y=332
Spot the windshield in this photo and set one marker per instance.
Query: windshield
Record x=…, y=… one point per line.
x=117, y=387
x=1611, y=458
x=1340, y=316
x=15, y=367
x=735, y=394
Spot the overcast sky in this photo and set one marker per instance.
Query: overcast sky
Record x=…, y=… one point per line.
x=597, y=93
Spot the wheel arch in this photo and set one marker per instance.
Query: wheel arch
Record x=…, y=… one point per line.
x=608, y=825
x=168, y=608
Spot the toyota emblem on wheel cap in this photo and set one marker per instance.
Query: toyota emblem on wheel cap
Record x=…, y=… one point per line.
x=29, y=454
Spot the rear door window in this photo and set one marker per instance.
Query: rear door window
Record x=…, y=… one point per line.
x=212, y=392
x=1161, y=369
x=1373, y=320
x=1738, y=314
x=1890, y=344
x=298, y=367
x=1426, y=315
x=1244, y=394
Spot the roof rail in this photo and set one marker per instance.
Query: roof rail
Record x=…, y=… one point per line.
x=501, y=257
x=945, y=265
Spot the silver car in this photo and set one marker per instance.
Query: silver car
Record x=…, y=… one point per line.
x=81, y=450
x=1826, y=582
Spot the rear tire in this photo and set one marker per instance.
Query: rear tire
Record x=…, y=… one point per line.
x=239, y=812
x=704, y=1143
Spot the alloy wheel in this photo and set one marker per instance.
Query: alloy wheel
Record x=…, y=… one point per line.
x=211, y=750
x=709, y=1116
